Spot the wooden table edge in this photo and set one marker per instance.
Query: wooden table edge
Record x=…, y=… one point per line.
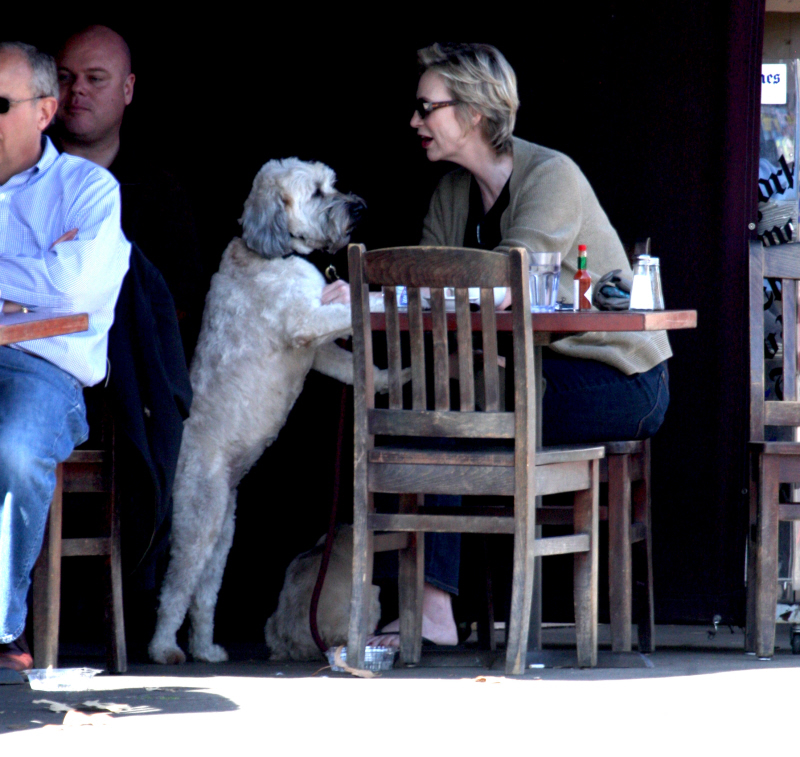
x=571, y=322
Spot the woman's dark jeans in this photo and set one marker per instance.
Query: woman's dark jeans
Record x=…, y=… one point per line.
x=587, y=401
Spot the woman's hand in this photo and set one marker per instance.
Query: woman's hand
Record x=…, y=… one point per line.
x=337, y=292
x=506, y=303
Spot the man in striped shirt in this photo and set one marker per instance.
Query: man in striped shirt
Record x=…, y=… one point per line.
x=61, y=248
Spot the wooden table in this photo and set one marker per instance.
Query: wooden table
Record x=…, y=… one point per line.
x=570, y=322
x=21, y=327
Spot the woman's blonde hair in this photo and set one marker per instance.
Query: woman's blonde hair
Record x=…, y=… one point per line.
x=482, y=80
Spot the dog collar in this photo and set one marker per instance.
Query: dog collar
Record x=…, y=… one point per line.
x=321, y=261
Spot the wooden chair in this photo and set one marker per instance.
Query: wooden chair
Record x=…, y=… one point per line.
x=771, y=462
x=88, y=470
x=491, y=453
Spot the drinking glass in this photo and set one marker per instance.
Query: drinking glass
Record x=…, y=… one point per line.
x=545, y=271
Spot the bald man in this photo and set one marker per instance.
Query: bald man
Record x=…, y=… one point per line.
x=96, y=85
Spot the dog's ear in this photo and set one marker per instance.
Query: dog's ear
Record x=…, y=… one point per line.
x=265, y=227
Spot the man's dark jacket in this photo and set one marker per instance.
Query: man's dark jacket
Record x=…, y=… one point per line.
x=151, y=396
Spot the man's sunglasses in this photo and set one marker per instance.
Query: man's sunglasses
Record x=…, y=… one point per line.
x=424, y=108
x=5, y=103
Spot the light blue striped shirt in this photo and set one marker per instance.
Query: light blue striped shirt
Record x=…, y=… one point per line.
x=37, y=206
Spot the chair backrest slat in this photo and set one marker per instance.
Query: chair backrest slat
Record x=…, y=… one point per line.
x=393, y=352
x=417, y=337
x=789, y=312
x=466, y=375
x=491, y=373
x=757, y=385
x=441, y=359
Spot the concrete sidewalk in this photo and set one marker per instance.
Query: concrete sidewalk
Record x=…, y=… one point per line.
x=695, y=693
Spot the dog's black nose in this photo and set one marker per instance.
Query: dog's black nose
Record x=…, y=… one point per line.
x=356, y=208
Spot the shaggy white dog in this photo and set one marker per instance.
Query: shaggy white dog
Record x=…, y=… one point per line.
x=288, y=631
x=264, y=328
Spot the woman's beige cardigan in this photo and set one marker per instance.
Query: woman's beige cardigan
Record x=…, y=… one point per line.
x=553, y=208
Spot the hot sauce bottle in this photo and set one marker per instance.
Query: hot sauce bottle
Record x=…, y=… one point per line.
x=582, y=283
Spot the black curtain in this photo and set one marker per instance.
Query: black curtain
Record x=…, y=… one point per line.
x=658, y=105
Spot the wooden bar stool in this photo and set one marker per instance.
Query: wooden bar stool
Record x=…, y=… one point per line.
x=626, y=470
x=86, y=471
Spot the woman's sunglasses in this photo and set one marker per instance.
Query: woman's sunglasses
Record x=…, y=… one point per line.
x=424, y=108
x=5, y=103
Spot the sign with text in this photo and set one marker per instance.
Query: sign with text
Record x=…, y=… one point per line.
x=773, y=84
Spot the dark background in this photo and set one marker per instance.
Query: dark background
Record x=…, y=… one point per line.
x=657, y=105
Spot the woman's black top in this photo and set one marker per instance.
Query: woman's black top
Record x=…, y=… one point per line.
x=483, y=229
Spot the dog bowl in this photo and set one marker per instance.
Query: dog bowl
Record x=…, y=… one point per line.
x=61, y=679
x=376, y=659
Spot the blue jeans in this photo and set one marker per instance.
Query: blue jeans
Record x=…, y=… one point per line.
x=584, y=401
x=42, y=419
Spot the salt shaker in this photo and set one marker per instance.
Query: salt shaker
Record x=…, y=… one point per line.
x=642, y=286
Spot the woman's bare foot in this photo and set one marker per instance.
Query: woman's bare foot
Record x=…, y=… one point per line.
x=438, y=623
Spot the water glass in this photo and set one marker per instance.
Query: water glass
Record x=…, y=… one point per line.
x=545, y=271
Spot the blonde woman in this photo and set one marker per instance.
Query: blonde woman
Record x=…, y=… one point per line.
x=507, y=192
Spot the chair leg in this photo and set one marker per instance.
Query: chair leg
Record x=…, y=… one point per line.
x=752, y=557
x=619, y=551
x=535, y=627
x=766, y=584
x=47, y=585
x=411, y=578
x=521, y=588
x=586, y=568
x=642, y=555
x=116, y=649
x=362, y=579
